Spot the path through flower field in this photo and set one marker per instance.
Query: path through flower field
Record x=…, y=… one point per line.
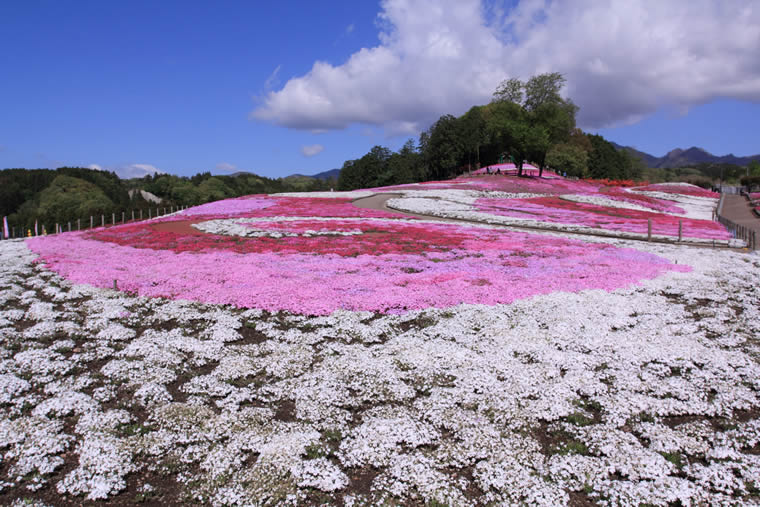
x=297, y=349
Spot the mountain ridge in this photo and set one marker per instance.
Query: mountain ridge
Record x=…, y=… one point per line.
x=678, y=157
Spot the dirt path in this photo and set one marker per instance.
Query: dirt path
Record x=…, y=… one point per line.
x=379, y=202
x=737, y=209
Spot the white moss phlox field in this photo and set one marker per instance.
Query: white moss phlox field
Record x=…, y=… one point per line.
x=644, y=394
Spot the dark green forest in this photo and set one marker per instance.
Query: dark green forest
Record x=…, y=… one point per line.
x=68, y=194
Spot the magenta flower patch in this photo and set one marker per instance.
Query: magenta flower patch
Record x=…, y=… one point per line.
x=247, y=253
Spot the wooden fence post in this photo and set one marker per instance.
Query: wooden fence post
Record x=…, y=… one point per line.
x=140, y=213
x=122, y=217
x=79, y=224
x=91, y=222
x=680, y=230
x=69, y=226
x=133, y=215
x=649, y=229
x=113, y=218
x=102, y=220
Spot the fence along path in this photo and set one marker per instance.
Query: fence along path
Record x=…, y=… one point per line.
x=736, y=214
x=9, y=231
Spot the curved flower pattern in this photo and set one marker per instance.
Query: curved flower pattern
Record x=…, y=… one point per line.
x=316, y=255
x=391, y=266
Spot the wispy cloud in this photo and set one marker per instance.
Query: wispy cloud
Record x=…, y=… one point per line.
x=226, y=167
x=311, y=150
x=95, y=167
x=273, y=80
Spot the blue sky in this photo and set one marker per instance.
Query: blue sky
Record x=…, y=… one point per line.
x=183, y=87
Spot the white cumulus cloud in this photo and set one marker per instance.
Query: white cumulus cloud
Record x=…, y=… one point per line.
x=311, y=150
x=96, y=167
x=623, y=59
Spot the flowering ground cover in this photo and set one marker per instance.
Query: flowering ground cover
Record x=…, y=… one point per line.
x=679, y=188
x=317, y=266
x=619, y=194
x=513, y=184
x=556, y=210
x=300, y=350
x=648, y=394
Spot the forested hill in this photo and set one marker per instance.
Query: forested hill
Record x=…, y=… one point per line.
x=70, y=193
x=531, y=121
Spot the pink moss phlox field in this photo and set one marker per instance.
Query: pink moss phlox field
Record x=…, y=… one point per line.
x=619, y=194
x=550, y=185
x=555, y=210
x=229, y=207
x=455, y=265
x=678, y=189
x=271, y=206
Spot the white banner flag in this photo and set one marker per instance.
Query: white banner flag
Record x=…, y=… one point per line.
x=5, y=227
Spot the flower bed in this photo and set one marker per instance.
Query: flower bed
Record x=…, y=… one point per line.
x=618, y=183
x=383, y=265
x=653, y=203
x=561, y=211
x=646, y=395
x=678, y=188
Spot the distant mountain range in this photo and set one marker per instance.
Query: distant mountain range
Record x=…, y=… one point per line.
x=681, y=158
x=332, y=174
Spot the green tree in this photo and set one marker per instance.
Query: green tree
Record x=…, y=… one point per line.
x=68, y=198
x=213, y=189
x=568, y=158
x=444, y=147
x=603, y=161
x=474, y=133
x=550, y=118
x=511, y=90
